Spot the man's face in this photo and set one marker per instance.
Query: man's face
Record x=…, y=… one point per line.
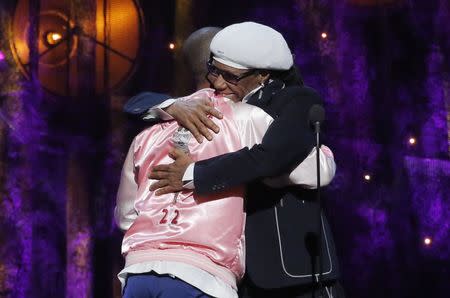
x=231, y=82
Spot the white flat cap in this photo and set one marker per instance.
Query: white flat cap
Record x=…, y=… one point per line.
x=251, y=45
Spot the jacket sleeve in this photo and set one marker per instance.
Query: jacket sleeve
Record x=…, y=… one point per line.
x=305, y=174
x=287, y=142
x=138, y=105
x=124, y=212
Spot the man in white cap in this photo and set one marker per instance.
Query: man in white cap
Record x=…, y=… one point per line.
x=281, y=260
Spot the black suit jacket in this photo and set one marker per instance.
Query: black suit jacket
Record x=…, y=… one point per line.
x=282, y=224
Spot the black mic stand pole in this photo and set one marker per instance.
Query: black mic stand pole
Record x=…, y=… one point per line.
x=319, y=203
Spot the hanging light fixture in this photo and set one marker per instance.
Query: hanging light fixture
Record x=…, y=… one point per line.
x=116, y=40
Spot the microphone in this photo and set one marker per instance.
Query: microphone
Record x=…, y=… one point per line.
x=316, y=116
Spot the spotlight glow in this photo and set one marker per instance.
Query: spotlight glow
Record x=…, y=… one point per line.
x=2, y=56
x=324, y=35
x=367, y=177
x=171, y=46
x=53, y=38
x=427, y=241
x=412, y=141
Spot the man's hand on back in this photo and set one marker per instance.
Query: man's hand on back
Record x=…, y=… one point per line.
x=194, y=116
x=170, y=176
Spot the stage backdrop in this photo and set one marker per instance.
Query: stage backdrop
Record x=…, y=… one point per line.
x=382, y=67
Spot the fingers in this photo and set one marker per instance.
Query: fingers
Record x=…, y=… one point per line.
x=204, y=130
x=203, y=123
x=208, y=107
x=159, y=184
x=209, y=123
x=166, y=190
x=164, y=187
x=160, y=172
x=194, y=131
x=183, y=113
x=176, y=153
x=163, y=168
x=214, y=112
x=199, y=130
x=158, y=175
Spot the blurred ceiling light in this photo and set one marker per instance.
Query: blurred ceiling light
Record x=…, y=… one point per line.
x=53, y=38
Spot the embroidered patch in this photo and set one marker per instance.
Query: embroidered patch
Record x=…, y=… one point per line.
x=181, y=139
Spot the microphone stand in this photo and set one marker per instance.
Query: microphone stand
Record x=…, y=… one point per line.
x=315, y=117
x=319, y=202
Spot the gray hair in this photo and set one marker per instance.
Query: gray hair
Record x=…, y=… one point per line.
x=196, y=51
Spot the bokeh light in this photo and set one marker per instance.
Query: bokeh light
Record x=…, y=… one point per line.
x=53, y=38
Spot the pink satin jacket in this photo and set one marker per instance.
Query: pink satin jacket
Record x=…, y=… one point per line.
x=205, y=232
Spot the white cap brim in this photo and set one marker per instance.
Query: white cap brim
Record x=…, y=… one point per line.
x=230, y=63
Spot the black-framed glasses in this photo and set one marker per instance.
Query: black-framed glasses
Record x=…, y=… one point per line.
x=227, y=76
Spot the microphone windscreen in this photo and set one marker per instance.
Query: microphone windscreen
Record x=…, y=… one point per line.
x=316, y=114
